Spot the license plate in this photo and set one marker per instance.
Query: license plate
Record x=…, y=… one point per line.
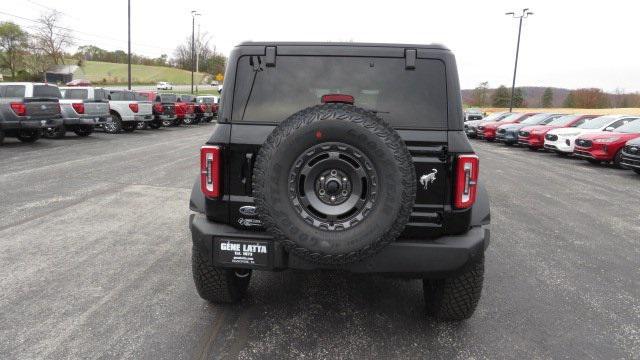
x=243, y=252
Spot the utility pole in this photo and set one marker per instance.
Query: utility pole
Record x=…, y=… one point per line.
x=129, y=44
x=198, y=55
x=194, y=13
x=524, y=15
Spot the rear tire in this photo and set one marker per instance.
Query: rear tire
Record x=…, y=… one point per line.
x=216, y=284
x=188, y=121
x=455, y=298
x=114, y=126
x=155, y=124
x=30, y=137
x=129, y=126
x=168, y=123
x=594, y=161
x=141, y=125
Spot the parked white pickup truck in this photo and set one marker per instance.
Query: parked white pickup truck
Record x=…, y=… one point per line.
x=83, y=108
x=126, y=111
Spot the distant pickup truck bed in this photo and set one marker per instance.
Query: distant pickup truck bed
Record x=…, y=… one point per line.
x=83, y=108
x=28, y=108
x=127, y=111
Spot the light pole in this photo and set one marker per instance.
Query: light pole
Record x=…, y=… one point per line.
x=198, y=56
x=194, y=13
x=524, y=15
x=129, y=44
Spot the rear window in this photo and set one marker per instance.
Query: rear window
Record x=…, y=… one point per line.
x=169, y=98
x=206, y=100
x=404, y=98
x=121, y=95
x=100, y=94
x=13, y=91
x=76, y=94
x=140, y=97
x=47, y=91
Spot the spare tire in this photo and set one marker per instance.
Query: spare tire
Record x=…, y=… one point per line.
x=334, y=183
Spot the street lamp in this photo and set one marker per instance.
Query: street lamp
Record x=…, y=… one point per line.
x=194, y=13
x=129, y=44
x=524, y=15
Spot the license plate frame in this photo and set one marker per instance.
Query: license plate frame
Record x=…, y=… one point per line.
x=243, y=253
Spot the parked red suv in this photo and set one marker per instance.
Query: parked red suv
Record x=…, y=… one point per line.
x=487, y=131
x=606, y=145
x=533, y=136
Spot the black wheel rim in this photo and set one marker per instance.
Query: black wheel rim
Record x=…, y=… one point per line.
x=333, y=186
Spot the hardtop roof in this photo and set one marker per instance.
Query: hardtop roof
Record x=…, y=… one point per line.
x=343, y=44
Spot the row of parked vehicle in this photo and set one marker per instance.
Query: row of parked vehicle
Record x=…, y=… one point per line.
x=29, y=111
x=610, y=138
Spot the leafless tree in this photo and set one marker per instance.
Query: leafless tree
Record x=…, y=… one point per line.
x=38, y=60
x=51, y=38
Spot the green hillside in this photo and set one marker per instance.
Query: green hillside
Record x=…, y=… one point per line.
x=112, y=73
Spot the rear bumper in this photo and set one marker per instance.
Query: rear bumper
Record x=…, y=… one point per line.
x=147, y=117
x=443, y=255
x=30, y=124
x=84, y=121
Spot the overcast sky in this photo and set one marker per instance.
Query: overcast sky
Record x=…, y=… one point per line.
x=564, y=44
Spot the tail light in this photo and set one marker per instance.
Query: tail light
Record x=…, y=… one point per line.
x=203, y=108
x=210, y=170
x=467, y=170
x=158, y=107
x=19, y=108
x=78, y=107
x=133, y=107
x=190, y=108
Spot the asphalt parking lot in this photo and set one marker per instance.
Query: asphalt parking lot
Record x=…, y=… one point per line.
x=95, y=262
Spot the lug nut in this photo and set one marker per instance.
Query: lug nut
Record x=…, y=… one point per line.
x=321, y=191
x=344, y=192
x=334, y=173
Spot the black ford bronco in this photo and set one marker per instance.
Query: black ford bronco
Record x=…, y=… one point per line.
x=341, y=156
